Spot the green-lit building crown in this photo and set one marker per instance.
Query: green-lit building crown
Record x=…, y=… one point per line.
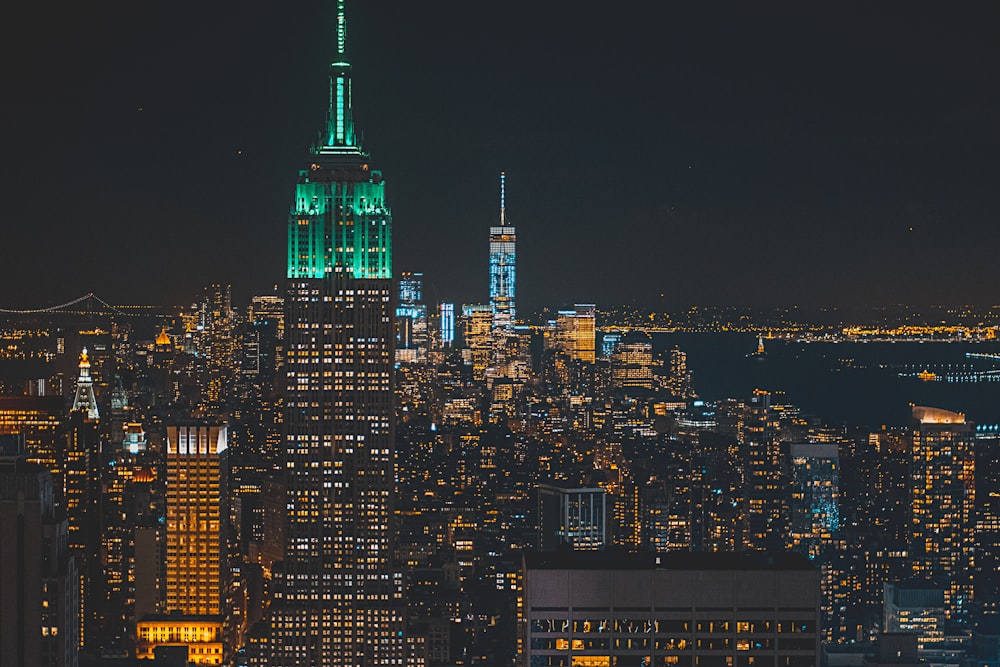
x=339, y=221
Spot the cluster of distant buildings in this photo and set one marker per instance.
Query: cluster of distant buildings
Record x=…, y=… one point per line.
x=345, y=474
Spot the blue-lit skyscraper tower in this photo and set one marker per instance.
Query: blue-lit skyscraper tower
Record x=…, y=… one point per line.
x=503, y=240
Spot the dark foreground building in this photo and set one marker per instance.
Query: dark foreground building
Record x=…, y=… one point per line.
x=39, y=584
x=682, y=609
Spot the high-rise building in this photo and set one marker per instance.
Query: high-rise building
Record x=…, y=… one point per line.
x=942, y=502
x=632, y=362
x=814, y=513
x=765, y=474
x=411, y=318
x=447, y=318
x=503, y=269
x=194, y=518
x=195, y=554
x=39, y=585
x=38, y=419
x=477, y=335
x=574, y=333
x=987, y=570
x=82, y=499
x=337, y=596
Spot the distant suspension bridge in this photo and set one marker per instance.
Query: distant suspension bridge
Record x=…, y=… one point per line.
x=92, y=304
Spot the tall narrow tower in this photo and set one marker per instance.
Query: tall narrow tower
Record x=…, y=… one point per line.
x=942, y=505
x=503, y=240
x=83, y=399
x=338, y=598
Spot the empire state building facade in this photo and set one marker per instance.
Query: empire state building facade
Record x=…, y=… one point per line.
x=338, y=598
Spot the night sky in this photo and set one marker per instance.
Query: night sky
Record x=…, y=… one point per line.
x=811, y=153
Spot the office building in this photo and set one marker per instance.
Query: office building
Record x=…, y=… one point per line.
x=195, y=454
x=765, y=472
x=446, y=315
x=593, y=609
x=574, y=332
x=337, y=597
x=477, y=334
x=814, y=506
x=39, y=584
x=200, y=635
x=632, y=362
x=916, y=607
x=942, y=502
x=38, y=419
x=194, y=549
x=82, y=477
x=577, y=518
x=503, y=267
x=411, y=319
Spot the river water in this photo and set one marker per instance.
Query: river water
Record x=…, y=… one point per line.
x=846, y=383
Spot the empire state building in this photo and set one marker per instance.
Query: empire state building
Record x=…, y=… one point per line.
x=338, y=598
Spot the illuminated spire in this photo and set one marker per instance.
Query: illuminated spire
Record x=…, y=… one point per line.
x=503, y=199
x=340, y=120
x=84, y=401
x=341, y=29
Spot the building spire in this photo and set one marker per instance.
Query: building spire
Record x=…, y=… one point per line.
x=84, y=400
x=340, y=119
x=503, y=199
x=341, y=29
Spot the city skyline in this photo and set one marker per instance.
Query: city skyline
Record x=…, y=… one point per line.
x=711, y=165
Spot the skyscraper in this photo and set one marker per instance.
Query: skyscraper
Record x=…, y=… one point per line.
x=195, y=548
x=338, y=600
x=82, y=498
x=574, y=333
x=942, y=500
x=411, y=318
x=194, y=544
x=503, y=274
x=814, y=515
x=39, y=604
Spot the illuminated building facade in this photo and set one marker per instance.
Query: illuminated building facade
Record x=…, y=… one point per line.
x=575, y=332
x=609, y=342
x=815, y=496
x=587, y=609
x=632, y=362
x=411, y=319
x=194, y=523
x=765, y=474
x=503, y=269
x=202, y=635
x=477, y=332
x=942, y=502
x=82, y=499
x=337, y=598
x=195, y=544
x=447, y=318
x=38, y=419
x=987, y=570
x=915, y=607
x=574, y=517
x=83, y=398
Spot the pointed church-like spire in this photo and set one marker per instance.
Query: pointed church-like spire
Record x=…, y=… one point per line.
x=84, y=400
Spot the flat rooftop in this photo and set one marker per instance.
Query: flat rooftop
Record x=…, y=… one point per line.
x=674, y=560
